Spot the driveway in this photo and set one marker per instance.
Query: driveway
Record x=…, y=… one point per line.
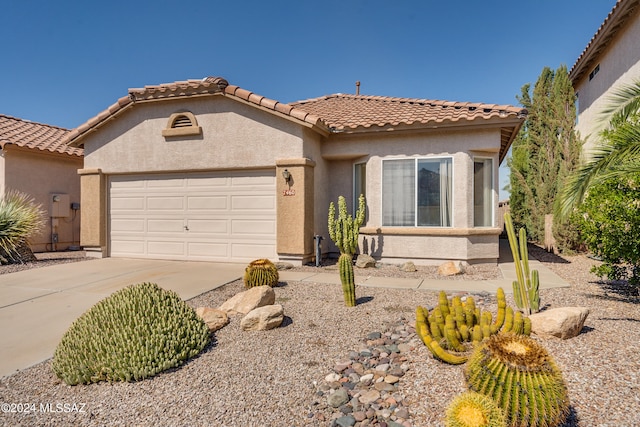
x=37, y=306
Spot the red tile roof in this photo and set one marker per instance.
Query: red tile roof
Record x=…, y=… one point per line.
x=351, y=112
x=327, y=114
x=619, y=16
x=37, y=136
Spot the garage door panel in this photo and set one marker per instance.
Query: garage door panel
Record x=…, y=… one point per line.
x=215, y=203
x=229, y=216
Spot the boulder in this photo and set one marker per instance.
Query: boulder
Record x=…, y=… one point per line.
x=263, y=318
x=451, y=268
x=283, y=265
x=408, y=267
x=365, y=261
x=214, y=318
x=562, y=322
x=248, y=300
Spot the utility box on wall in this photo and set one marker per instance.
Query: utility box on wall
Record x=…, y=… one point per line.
x=60, y=206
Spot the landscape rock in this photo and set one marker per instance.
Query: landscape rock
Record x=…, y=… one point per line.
x=214, y=318
x=563, y=322
x=283, y=265
x=408, y=267
x=365, y=261
x=339, y=398
x=248, y=300
x=451, y=268
x=263, y=318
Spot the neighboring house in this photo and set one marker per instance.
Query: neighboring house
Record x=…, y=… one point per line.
x=204, y=170
x=34, y=160
x=611, y=59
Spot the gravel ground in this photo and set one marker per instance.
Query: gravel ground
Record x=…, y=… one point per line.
x=277, y=378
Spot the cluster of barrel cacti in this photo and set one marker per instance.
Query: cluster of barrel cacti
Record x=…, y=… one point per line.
x=261, y=272
x=133, y=334
x=344, y=231
x=454, y=327
x=522, y=379
x=526, y=290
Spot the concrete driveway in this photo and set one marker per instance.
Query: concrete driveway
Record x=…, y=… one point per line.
x=37, y=306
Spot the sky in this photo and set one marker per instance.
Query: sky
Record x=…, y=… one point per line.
x=65, y=61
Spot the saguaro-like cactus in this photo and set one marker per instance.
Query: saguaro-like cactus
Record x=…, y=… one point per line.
x=344, y=231
x=526, y=290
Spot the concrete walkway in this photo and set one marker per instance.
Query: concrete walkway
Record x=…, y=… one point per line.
x=37, y=306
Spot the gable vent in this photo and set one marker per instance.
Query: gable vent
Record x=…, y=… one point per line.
x=182, y=124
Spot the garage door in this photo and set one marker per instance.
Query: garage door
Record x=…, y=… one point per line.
x=222, y=216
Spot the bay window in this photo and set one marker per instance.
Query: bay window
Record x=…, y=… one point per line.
x=417, y=192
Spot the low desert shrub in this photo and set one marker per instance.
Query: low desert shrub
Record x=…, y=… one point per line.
x=133, y=334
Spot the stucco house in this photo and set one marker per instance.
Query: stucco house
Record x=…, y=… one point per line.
x=35, y=161
x=206, y=170
x=611, y=59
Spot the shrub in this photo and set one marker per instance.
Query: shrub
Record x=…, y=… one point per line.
x=261, y=272
x=133, y=334
x=20, y=218
x=609, y=220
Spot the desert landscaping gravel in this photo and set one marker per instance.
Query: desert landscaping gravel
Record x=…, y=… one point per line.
x=286, y=376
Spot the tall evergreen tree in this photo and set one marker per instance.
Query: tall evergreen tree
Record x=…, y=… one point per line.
x=544, y=153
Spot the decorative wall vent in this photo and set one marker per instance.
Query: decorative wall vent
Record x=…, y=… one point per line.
x=182, y=124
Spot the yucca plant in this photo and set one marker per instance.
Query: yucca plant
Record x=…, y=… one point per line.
x=20, y=218
x=133, y=334
x=471, y=409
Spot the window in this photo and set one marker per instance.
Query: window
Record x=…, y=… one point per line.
x=593, y=73
x=483, y=192
x=359, y=182
x=417, y=192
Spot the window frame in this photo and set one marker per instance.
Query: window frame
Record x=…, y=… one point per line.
x=479, y=159
x=416, y=161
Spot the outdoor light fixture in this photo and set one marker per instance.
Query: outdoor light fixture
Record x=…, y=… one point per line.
x=286, y=175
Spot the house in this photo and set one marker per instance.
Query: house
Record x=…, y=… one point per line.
x=206, y=170
x=34, y=160
x=611, y=59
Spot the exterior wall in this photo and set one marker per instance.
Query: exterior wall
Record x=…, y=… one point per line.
x=41, y=175
x=424, y=245
x=618, y=65
x=234, y=136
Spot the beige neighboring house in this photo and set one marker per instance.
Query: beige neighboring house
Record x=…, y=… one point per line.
x=205, y=170
x=35, y=161
x=611, y=59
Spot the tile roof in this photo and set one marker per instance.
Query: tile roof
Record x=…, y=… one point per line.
x=188, y=88
x=353, y=112
x=27, y=134
x=615, y=20
x=333, y=113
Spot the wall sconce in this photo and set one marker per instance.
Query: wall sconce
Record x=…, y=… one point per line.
x=287, y=176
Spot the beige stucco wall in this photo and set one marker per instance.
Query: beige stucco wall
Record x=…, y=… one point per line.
x=41, y=175
x=422, y=244
x=619, y=65
x=234, y=135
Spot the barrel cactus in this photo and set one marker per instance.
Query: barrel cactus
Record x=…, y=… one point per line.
x=261, y=272
x=471, y=409
x=344, y=231
x=133, y=334
x=522, y=378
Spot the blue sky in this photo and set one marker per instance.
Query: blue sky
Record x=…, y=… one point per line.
x=64, y=62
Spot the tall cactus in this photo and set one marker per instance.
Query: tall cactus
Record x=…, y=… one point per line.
x=344, y=231
x=526, y=290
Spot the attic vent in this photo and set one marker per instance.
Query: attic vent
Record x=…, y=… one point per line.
x=182, y=124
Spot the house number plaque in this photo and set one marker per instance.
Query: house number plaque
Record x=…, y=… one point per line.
x=289, y=192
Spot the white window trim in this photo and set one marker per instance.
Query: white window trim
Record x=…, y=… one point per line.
x=415, y=165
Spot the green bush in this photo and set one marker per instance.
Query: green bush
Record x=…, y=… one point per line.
x=20, y=218
x=609, y=221
x=133, y=334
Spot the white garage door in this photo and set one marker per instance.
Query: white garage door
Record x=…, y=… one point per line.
x=222, y=216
